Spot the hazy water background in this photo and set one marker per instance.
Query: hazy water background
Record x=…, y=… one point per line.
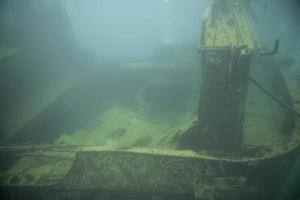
x=62, y=63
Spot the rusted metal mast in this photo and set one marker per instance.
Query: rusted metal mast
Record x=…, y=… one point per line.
x=227, y=45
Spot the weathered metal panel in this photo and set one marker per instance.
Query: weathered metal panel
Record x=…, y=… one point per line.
x=92, y=172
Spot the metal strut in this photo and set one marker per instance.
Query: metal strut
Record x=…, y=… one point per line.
x=276, y=99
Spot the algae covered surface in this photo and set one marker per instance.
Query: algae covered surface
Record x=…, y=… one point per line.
x=117, y=125
x=122, y=127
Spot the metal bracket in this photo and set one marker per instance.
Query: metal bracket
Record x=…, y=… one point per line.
x=275, y=49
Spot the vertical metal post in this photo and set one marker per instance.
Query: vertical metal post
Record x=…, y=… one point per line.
x=224, y=83
x=226, y=44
